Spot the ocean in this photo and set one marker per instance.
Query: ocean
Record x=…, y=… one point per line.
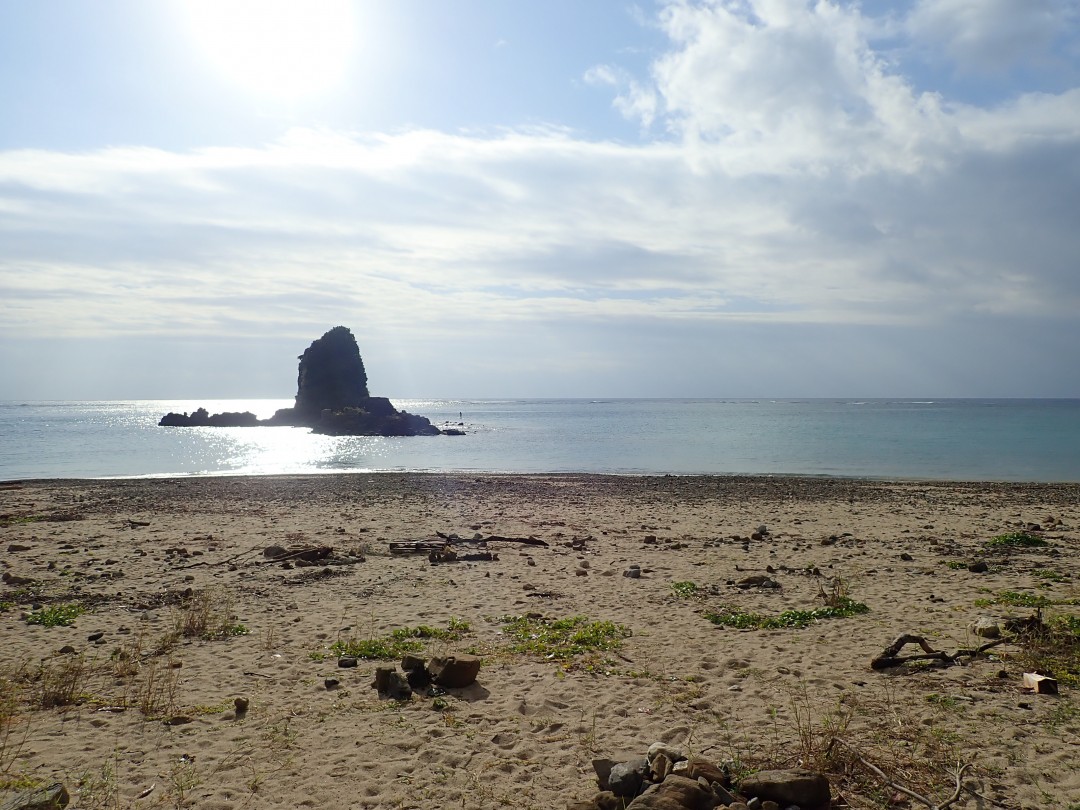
x=957, y=440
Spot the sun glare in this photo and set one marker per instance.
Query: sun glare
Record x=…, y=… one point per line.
x=284, y=49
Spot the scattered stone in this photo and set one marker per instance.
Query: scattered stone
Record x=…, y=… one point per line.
x=978, y=567
x=347, y=661
x=95, y=636
x=675, y=793
x=807, y=789
x=580, y=572
x=53, y=797
x=331, y=683
x=758, y=581
x=454, y=671
x=626, y=777
x=659, y=767
x=702, y=768
x=670, y=751
x=18, y=547
x=178, y=720
x=67, y=649
x=986, y=627
x=907, y=557
x=241, y=704
x=389, y=682
x=411, y=662
x=633, y=572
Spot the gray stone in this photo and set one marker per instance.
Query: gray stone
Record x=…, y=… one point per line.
x=633, y=572
x=805, y=788
x=53, y=797
x=675, y=793
x=626, y=777
x=986, y=627
x=670, y=751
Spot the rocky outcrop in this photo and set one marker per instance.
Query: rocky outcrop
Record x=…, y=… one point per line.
x=200, y=418
x=331, y=398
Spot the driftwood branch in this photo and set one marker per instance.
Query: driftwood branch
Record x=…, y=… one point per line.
x=528, y=541
x=890, y=656
x=310, y=554
x=957, y=774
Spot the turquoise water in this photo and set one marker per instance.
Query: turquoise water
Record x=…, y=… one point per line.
x=1001, y=440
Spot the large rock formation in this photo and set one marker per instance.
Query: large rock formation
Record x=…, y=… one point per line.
x=331, y=397
x=332, y=375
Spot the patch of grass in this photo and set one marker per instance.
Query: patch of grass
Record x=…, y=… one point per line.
x=1050, y=575
x=684, y=590
x=375, y=649
x=209, y=615
x=1016, y=540
x=562, y=639
x=19, y=520
x=956, y=565
x=60, y=682
x=1015, y=599
x=56, y=615
x=455, y=630
x=743, y=620
x=401, y=641
x=943, y=701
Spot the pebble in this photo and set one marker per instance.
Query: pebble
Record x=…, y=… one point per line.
x=347, y=661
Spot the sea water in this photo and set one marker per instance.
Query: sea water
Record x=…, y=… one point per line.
x=985, y=440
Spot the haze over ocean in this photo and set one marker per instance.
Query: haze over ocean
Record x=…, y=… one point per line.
x=995, y=440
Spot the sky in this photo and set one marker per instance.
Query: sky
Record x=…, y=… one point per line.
x=695, y=198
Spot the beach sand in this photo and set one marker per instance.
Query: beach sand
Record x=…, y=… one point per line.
x=164, y=727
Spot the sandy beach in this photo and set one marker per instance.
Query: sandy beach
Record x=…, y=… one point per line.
x=152, y=719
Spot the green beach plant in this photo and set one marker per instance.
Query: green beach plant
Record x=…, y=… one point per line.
x=684, y=590
x=561, y=639
x=1016, y=540
x=56, y=615
x=400, y=642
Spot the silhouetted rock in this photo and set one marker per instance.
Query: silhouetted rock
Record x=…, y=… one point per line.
x=331, y=376
x=331, y=398
x=200, y=418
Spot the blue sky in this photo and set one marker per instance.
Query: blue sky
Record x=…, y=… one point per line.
x=728, y=198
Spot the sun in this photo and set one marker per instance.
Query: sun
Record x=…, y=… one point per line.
x=285, y=49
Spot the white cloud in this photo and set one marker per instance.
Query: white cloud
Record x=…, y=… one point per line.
x=992, y=35
x=804, y=181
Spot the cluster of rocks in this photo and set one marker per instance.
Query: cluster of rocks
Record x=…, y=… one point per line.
x=666, y=778
x=430, y=678
x=331, y=398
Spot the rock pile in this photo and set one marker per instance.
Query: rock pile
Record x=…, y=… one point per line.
x=667, y=779
x=433, y=677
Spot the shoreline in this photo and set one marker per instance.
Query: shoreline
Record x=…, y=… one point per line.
x=731, y=477
x=130, y=549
